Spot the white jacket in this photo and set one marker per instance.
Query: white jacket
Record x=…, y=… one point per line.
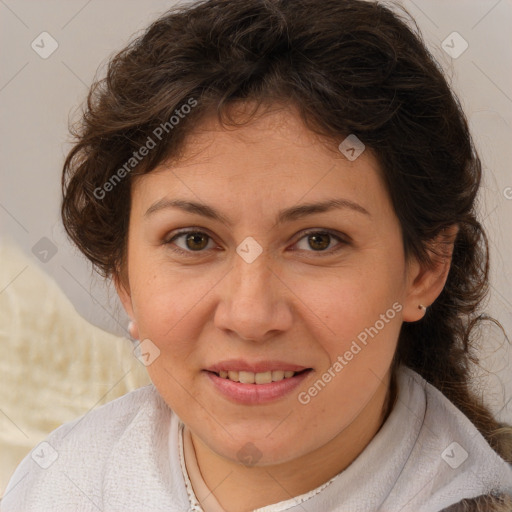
x=126, y=456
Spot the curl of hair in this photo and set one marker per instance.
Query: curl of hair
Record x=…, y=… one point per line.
x=485, y=503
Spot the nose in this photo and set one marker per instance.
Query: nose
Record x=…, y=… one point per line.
x=254, y=303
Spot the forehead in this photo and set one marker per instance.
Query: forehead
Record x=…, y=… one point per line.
x=271, y=159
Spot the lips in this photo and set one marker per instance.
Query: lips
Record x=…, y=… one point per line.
x=259, y=392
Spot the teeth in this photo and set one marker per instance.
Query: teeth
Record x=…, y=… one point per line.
x=277, y=375
x=246, y=377
x=263, y=378
x=256, y=378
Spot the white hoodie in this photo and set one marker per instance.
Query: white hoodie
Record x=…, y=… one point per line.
x=127, y=456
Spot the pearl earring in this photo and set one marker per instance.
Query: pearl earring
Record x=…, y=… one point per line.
x=133, y=330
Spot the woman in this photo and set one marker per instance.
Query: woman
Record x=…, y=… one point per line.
x=284, y=195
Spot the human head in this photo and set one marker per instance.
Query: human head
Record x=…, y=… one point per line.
x=352, y=67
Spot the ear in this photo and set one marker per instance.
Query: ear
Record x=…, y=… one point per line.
x=123, y=291
x=425, y=281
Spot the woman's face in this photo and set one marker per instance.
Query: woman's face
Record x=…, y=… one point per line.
x=270, y=283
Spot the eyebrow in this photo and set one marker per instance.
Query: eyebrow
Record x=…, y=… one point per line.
x=287, y=215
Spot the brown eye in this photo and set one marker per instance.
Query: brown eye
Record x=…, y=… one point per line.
x=319, y=241
x=190, y=242
x=196, y=241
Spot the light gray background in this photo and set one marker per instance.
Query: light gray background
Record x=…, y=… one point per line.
x=37, y=96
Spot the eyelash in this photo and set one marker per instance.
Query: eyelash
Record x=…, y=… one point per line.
x=182, y=252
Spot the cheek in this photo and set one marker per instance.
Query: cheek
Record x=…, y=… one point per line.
x=351, y=302
x=159, y=303
x=168, y=310
x=361, y=321
x=167, y=300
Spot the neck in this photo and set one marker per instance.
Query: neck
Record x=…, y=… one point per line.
x=239, y=488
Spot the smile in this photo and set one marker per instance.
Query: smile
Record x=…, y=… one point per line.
x=255, y=384
x=245, y=377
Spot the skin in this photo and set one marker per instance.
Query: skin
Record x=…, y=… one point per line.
x=293, y=303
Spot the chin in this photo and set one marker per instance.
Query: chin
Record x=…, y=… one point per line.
x=250, y=449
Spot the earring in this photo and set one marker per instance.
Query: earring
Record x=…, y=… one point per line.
x=421, y=306
x=133, y=330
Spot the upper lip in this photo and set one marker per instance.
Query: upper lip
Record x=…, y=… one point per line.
x=254, y=367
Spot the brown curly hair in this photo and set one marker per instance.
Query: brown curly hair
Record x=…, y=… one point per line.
x=349, y=67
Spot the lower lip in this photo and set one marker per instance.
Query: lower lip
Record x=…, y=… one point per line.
x=251, y=394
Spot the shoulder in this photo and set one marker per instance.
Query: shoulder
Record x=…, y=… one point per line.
x=453, y=451
x=102, y=427
x=122, y=441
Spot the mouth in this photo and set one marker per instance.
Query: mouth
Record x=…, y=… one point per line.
x=255, y=383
